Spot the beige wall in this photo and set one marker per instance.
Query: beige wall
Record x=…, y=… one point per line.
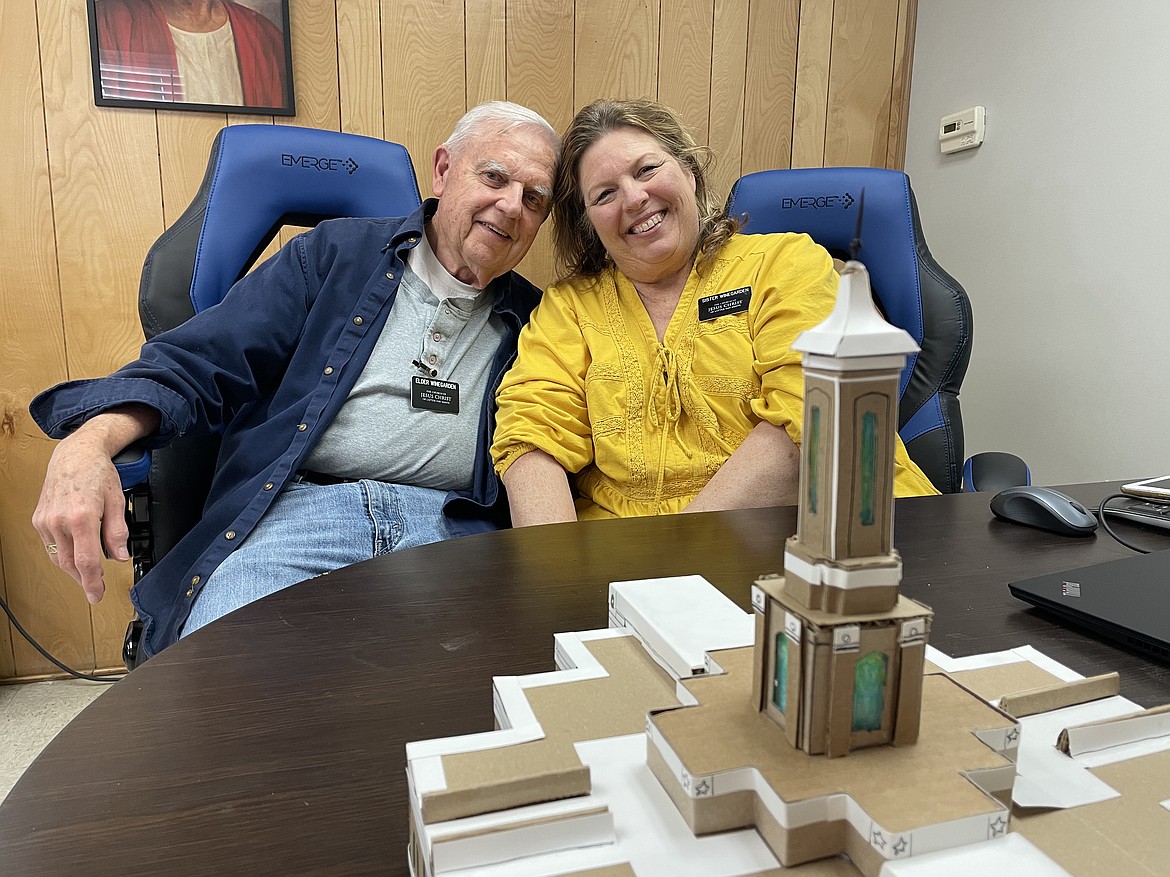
x=1055, y=236
x=88, y=189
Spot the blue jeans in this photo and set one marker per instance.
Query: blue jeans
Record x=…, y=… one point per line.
x=312, y=529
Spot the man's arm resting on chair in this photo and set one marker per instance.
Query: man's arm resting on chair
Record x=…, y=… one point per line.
x=81, y=505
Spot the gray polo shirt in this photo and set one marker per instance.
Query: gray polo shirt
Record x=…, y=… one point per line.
x=449, y=329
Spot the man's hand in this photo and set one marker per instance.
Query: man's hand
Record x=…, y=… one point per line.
x=81, y=505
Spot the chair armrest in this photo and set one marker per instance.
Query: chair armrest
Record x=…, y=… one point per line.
x=993, y=471
x=133, y=465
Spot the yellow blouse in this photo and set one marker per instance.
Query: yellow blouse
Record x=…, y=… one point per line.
x=645, y=425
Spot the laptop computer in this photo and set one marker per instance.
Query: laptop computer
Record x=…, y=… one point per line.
x=1126, y=600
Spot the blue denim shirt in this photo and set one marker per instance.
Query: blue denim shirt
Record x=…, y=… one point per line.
x=269, y=367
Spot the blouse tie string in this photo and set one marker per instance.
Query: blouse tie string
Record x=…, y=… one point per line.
x=665, y=412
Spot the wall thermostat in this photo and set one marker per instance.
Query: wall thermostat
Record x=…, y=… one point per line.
x=963, y=130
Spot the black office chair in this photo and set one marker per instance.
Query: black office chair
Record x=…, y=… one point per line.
x=993, y=471
x=259, y=178
x=914, y=292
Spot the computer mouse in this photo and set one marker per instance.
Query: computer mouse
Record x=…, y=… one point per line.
x=1045, y=508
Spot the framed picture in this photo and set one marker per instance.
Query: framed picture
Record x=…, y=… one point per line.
x=219, y=56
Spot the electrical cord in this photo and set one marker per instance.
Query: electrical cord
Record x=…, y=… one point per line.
x=77, y=674
x=1101, y=510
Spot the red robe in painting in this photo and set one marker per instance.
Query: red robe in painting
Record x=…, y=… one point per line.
x=137, y=55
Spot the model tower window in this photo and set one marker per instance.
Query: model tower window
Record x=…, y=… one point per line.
x=814, y=458
x=869, y=691
x=779, y=684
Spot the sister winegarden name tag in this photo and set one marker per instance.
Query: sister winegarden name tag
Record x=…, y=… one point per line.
x=724, y=304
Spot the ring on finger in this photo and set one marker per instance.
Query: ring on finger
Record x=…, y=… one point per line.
x=51, y=548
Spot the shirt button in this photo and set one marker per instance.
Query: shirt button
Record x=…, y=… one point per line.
x=269, y=486
x=229, y=535
x=389, y=275
x=357, y=321
x=328, y=369
x=412, y=240
x=432, y=359
x=301, y=427
x=195, y=580
x=437, y=337
x=190, y=592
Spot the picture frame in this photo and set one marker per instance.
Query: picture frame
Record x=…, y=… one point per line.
x=224, y=56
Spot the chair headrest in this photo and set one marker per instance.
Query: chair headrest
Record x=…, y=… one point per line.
x=823, y=202
x=258, y=178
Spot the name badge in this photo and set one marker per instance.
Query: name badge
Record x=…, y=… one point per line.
x=724, y=304
x=432, y=394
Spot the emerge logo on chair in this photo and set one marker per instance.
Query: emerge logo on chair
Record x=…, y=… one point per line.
x=818, y=202
x=319, y=163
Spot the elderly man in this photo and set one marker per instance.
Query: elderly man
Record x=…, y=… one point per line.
x=352, y=377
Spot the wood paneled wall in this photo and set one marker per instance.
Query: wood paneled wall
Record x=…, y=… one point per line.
x=767, y=83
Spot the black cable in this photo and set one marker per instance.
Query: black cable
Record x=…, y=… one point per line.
x=77, y=674
x=1105, y=524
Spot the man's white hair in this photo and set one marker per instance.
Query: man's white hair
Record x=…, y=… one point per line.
x=499, y=117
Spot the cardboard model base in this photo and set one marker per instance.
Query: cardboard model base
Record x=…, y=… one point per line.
x=615, y=766
x=727, y=766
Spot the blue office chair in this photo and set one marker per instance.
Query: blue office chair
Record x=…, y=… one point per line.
x=258, y=179
x=913, y=291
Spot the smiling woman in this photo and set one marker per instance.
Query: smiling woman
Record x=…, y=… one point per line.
x=641, y=202
x=659, y=373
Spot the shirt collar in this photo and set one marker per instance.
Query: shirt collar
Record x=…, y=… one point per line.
x=505, y=299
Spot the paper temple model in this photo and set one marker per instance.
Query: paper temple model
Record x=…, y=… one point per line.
x=838, y=651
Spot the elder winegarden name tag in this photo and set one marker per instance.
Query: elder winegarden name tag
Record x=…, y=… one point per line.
x=434, y=395
x=723, y=304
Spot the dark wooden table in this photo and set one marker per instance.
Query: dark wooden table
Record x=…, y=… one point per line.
x=271, y=742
